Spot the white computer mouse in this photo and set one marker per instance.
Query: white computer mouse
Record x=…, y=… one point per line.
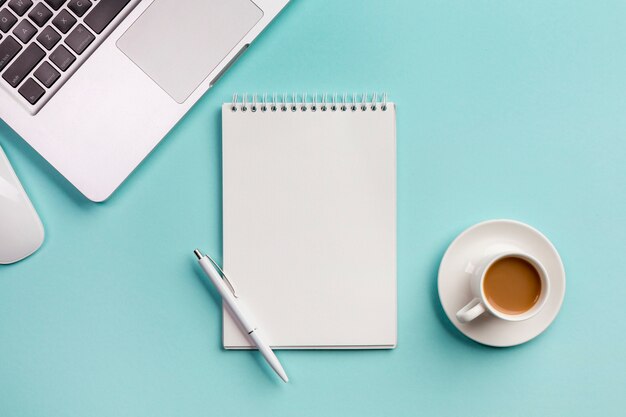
x=21, y=231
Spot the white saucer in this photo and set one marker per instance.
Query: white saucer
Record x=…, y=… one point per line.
x=488, y=238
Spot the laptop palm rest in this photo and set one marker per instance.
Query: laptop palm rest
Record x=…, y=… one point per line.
x=179, y=44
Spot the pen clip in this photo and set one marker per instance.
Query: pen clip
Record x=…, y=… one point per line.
x=224, y=277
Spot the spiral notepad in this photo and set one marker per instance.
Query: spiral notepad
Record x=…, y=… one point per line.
x=309, y=194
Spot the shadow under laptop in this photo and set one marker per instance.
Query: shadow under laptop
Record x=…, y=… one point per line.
x=14, y=143
x=196, y=117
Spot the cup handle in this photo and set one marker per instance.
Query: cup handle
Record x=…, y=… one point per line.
x=471, y=310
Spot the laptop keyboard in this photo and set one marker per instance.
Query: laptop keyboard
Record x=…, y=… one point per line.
x=43, y=42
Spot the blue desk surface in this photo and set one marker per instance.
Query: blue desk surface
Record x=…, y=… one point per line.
x=505, y=109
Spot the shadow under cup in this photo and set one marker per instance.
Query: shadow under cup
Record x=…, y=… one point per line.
x=514, y=287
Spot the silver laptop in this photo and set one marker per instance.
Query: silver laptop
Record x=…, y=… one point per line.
x=94, y=85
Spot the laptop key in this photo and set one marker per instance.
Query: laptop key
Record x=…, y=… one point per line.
x=62, y=58
x=103, y=13
x=55, y=4
x=24, y=31
x=7, y=20
x=48, y=38
x=40, y=14
x=20, y=6
x=64, y=21
x=79, y=39
x=8, y=49
x=23, y=65
x=31, y=91
x=46, y=74
x=79, y=7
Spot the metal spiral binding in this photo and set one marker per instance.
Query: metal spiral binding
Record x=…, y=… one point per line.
x=303, y=103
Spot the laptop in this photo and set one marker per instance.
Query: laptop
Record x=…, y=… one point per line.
x=94, y=85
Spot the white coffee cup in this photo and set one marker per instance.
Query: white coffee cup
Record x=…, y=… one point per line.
x=479, y=304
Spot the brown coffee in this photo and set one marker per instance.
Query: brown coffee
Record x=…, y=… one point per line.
x=512, y=285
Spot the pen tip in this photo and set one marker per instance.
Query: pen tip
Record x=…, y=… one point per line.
x=198, y=253
x=282, y=374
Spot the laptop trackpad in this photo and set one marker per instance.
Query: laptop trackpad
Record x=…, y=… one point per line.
x=178, y=44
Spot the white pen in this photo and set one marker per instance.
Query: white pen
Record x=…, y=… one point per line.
x=219, y=280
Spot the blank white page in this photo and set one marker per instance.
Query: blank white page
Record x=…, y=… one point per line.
x=310, y=226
